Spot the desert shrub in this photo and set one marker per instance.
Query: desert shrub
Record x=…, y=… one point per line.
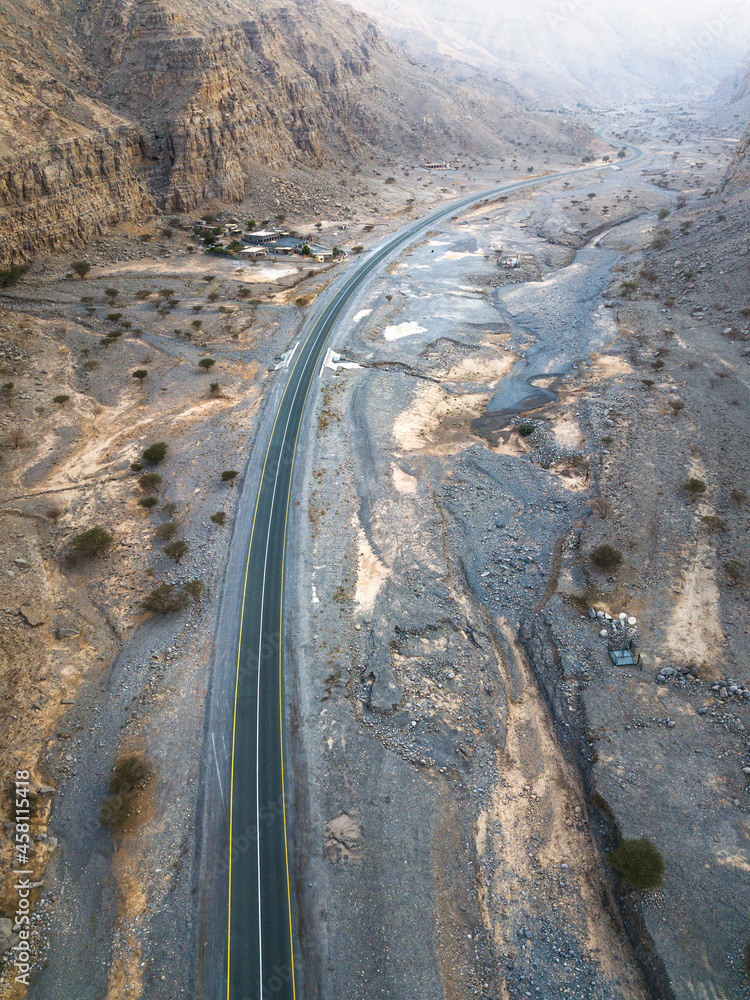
x=140, y=374
x=390, y=180
x=638, y=862
x=664, y=213
x=219, y=517
x=526, y=429
x=156, y=452
x=166, y=599
x=695, y=487
x=176, y=550
x=81, y=268
x=739, y=497
x=214, y=388
x=167, y=530
x=229, y=476
x=62, y=399
x=607, y=439
x=148, y=502
x=113, y=317
x=130, y=775
x=734, y=569
x=129, y=778
x=169, y=507
x=677, y=406
x=17, y=438
x=92, y=542
x=8, y=391
x=606, y=557
x=12, y=275
x=149, y=481
x=136, y=466
x=714, y=523
x=194, y=588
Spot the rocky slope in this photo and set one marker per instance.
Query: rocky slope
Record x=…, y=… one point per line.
x=621, y=51
x=126, y=108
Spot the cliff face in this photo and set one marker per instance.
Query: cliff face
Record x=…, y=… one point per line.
x=121, y=107
x=738, y=173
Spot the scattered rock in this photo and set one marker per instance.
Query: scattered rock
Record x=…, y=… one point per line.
x=32, y=614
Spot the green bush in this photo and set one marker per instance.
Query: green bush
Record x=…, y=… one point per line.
x=167, y=530
x=229, y=476
x=526, y=429
x=638, y=862
x=12, y=275
x=148, y=502
x=695, y=487
x=136, y=466
x=140, y=374
x=149, y=481
x=92, y=542
x=62, y=399
x=176, y=550
x=165, y=599
x=156, y=452
x=219, y=517
x=606, y=557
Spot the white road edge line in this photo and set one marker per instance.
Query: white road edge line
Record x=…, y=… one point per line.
x=218, y=772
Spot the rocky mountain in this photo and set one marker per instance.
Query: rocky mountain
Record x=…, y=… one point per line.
x=625, y=50
x=113, y=109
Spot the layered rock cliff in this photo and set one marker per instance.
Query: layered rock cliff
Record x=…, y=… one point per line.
x=114, y=108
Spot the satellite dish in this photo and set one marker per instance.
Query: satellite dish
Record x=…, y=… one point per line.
x=604, y=633
x=622, y=616
x=632, y=621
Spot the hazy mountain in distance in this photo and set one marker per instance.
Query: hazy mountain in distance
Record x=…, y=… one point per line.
x=573, y=50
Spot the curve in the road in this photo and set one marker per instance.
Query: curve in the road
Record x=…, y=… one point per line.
x=260, y=938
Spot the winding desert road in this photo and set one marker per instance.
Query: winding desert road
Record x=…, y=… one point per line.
x=260, y=938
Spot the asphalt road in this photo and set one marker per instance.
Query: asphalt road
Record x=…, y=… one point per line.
x=260, y=940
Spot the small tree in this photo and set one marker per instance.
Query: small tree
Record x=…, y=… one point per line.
x=206, y=364
x=81, y=268
x=628, y=289
x=111, y=294
x=149, y=481
x=214, y=387
x=148, y=502
x=93, y=542
x=156, y=452
x=219, y=517
x=638, y=862
x=140, y=374
x=176, y=550
x=229, y=476
x=165, y=599
x=167, y=530
x=61, y=400
x=695, y=487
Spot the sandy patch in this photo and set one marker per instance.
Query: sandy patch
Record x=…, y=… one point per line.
x=371, y=575
x=403, y=330
x=361, y=315
x=610, y=366
x=567, y=432
x=460, y=254
x=488, y=371
x=195, y=266
x=403, y=482
x=438, y=422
